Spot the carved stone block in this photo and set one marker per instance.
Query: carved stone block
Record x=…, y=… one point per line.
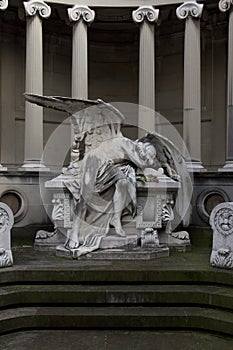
x=6, y=223
x=149, y=238
x=221, y=221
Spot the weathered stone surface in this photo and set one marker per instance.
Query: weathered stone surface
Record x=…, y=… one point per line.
x=6, y=223
x=221, y=221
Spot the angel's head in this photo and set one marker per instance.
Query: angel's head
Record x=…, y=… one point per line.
x=150, y=153
x=147, y=152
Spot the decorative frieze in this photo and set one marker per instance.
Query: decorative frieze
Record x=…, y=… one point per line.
x=189, y=9
x=3, y=4
x=145, y=12
x=77, y=12
x=224, y=5
x=37, y=6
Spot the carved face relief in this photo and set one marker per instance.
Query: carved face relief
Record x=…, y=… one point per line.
x=224, y=221
x=4, y=220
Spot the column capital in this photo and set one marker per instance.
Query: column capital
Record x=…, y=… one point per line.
x=77, y=12
x=3, y=4
x=189, y=9
x=34, y=6
x=148, y=13
x=224, y=5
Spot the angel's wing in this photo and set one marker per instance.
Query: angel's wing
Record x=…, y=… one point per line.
x=64, y=104
x=173, y=162
x=93, y=120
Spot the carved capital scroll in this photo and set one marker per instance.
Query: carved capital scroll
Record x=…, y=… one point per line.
x=148, y=13
x=224, y=5
x=34, y=6
x=189, y=9
x=81, y=12
x=3, y=4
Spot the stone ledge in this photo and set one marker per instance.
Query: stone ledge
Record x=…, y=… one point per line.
x=135, y=253
x=112, y=294
x=116, y=317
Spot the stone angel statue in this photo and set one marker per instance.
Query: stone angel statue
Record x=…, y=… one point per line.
x=104, y=167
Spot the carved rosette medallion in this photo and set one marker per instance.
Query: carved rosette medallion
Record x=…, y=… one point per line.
x=189, y=9
x=223, y=221
x=3, y=4
x=224, y=5
x=81, y=12
x=148, y=13
x=37, y=6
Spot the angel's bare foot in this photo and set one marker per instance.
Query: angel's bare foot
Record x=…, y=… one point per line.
x=120, y=231
x=70, y=244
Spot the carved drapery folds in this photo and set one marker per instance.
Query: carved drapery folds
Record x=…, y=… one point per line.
x=37, y=6
x=224, y=5
x=81, y=12
x=145, y=12
x=189, y=9
x=3, y=4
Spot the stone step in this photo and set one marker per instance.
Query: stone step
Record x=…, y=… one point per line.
x=209, y=296
x=116, y=318
x=109, y=272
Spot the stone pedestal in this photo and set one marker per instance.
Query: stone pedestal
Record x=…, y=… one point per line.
x=221, y=221
x=6, y=223
x=155, y=201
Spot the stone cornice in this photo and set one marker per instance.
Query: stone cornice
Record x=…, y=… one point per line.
x=224, y=5
x=81, y=12
x=37, y=6
x=3, y=4
x=148, y=13
x=189, y=9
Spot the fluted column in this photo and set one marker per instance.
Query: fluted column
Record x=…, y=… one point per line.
x=191, y=12
x=35, y=11
x=81, y=16
x=146, y=17
x=3, y=4
x=226, y=5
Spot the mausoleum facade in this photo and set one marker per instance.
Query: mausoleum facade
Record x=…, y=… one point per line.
x=170, y=56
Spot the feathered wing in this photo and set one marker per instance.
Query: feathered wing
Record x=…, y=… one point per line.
x=169, y=154
x=64, y=104
x=73, y=106
x=99, y=119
